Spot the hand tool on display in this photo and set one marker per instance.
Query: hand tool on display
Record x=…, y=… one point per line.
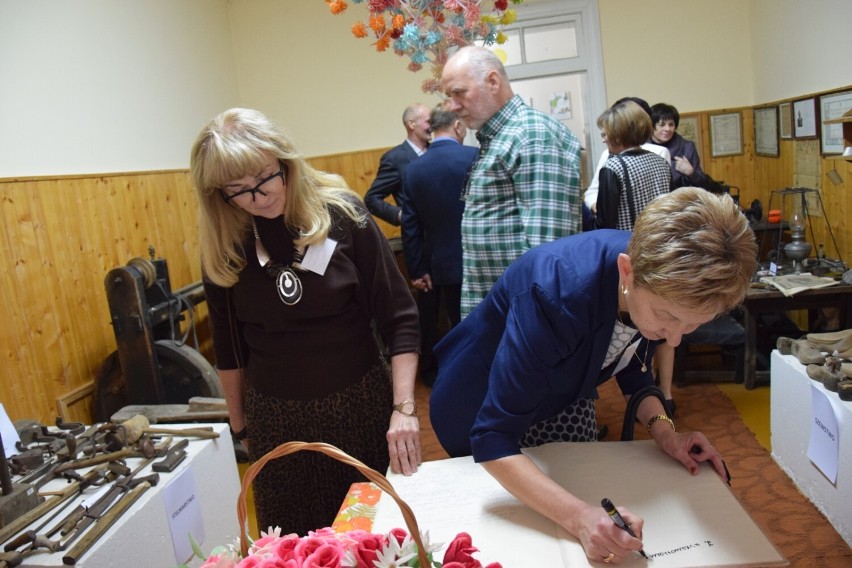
x=80, y=522
x=75, y=428
x=96, y=460
x=139, y=425
x=25, y=462
x=49, y=504
x=174, y=456
x=10, y=559
x=36, y=512
x=104, y=523
x=74, y=527
x=95, y=477
x=16, y=498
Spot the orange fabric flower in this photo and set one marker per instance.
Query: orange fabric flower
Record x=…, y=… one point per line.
x=336, y=6
x=398, y=22
x=377, y=23
x=383, y=43
x=359, y=30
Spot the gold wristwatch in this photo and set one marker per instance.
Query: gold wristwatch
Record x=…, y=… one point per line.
x=408, y=402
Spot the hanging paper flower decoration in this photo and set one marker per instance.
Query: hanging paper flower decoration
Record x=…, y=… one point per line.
x=424, y=30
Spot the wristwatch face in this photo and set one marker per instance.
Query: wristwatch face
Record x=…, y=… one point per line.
x=407, y=407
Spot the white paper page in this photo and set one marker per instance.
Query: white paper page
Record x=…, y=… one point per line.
x=458, y=495
x=689, y=521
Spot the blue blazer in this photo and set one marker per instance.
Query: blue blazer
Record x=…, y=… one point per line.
x=533, y=346
x=432, y=211
x=389, y=182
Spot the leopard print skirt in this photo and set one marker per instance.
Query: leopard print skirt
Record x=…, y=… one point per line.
x=303, y=491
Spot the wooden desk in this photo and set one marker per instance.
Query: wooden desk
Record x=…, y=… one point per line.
x=758, y=301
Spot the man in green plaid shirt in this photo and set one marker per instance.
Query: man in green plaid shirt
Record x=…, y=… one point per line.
x=524, y=188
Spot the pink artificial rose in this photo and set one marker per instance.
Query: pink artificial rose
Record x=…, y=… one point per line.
x=366, y=546
x=264, y=561
x=307, y=545
x=327, y=555
x=263, y=543
x=284, y=547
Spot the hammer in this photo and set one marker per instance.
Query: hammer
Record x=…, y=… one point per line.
x=139, y=425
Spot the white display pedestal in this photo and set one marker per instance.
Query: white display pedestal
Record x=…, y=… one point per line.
x=791, y=416
x=142, y=536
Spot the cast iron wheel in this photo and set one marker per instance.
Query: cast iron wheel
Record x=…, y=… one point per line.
x=184, y=373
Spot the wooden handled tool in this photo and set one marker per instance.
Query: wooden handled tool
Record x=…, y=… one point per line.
x=104, y=523
x=139, y=425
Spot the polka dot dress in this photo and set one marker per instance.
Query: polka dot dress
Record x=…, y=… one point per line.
x=577, y=422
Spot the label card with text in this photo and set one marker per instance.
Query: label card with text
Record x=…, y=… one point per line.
x=824, y=445
x=183, y=511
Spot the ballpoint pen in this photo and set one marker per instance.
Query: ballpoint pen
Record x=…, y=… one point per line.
x=619, y=521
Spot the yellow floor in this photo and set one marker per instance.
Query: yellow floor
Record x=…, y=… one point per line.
x=753, y=406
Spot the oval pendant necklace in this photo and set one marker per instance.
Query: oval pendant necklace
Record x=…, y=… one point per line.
x=287, y=282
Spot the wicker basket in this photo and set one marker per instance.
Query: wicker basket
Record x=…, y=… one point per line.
x=341, y=456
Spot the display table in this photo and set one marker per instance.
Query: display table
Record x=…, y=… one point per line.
x=791, y=416
x=758, y=301
x=142, y=536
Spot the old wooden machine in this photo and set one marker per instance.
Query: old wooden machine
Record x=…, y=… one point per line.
x=152, y=363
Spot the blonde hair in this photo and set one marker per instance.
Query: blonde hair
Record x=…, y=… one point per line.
x=240, y=142
x=695, y=249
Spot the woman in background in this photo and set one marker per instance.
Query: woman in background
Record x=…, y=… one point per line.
x=686, y=165
x=294, y=271
x=631, y=177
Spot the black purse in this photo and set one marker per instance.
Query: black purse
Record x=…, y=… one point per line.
x=633, y=407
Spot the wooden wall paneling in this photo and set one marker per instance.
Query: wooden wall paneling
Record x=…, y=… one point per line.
x=29, y=310
x=60, y=238
x=358, y=169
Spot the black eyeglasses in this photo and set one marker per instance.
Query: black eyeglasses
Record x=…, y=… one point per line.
x=256, y=189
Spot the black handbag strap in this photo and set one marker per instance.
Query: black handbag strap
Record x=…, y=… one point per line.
x=633, y=407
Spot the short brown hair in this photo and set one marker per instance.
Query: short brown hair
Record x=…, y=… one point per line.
x=626, y=124
x=695, y=249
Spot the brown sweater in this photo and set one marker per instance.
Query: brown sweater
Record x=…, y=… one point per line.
x=324, y=343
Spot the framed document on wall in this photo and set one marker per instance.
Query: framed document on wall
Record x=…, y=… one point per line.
x=805, y=118
x=833, y=107
x=690, y=128
x=726, y=136
x=766, y=131
x=785, y=120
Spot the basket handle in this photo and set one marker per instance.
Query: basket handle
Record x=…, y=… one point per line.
x=341, y=456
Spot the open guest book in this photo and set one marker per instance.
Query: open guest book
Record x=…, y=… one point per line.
x=689, y=521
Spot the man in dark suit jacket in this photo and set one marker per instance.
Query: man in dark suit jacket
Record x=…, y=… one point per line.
x=392, y=166
x=431, y=228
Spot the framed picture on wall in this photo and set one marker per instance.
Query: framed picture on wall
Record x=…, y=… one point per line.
x=726, y=134
x=766, y=131
x=832, y=107
x=785, y=120
x=805, y=118
x=690, y=128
